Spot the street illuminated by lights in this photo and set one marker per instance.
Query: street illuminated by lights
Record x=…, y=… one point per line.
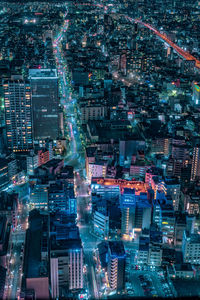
x=76, y=159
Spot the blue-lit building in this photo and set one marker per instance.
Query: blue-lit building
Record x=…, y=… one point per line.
x=116, y=266
x=106, y=209
x=56, y=197
x=127, y=203
x=61, y=197
x=66, y=255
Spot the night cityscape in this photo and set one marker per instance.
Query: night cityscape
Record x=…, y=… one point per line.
x=99, y=149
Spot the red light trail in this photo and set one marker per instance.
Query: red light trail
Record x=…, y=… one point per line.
x=186, y=55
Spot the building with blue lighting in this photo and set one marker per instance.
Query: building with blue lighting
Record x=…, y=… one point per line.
x=116, y=266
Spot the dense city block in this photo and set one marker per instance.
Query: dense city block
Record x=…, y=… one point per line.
x=99, y=149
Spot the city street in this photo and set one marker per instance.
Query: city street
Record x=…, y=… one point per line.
x=15, y=260
x=75, y=158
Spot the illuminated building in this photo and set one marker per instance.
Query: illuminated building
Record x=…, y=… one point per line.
x=150, y=173
x=157, y=216
x=195, y=172
x=155, y=255
x=44, y=86
x=168, y=223
x=184, y=271
x=196, y=93
x=155, y=248
x=192, y=205
x=39, y=196
x=61, y=197
x=158, y=186
x=97, y=169
x=142, y=216
x=66, y=255
x=143, y=251
x=35, y=160
x=191, y=248
x=138, y=170
x=57, y=197
x=43, y=157
x=160, y=145
x=101, y=224
x=139, y=186
x=4, y=178
x=105, y=201
x=173, y=189
x=180, y=154
x=116, y=266
x=18, y=114
x=128, y=210
x=127, y=148
x=105, y=191
x=136, y=212
x=92, y=112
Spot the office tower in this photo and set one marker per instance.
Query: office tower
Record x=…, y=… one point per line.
x=66, y=255
x=44, y=86
x=116, y=266
x=128, y=210
x=195, y=172
x=17, y=97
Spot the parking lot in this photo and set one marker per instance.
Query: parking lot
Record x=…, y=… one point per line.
x=148, y=284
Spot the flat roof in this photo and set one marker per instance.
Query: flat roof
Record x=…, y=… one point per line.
x=117, y=248
x=43, y=74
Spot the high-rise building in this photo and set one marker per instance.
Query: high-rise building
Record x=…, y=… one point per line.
x=66, y=255
x=116, y=266
x=18, y=116
x=195, y=172
x=44, y=86
x=128, y=203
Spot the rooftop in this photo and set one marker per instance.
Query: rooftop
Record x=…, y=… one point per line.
x=43, y=73
x=117, y=249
